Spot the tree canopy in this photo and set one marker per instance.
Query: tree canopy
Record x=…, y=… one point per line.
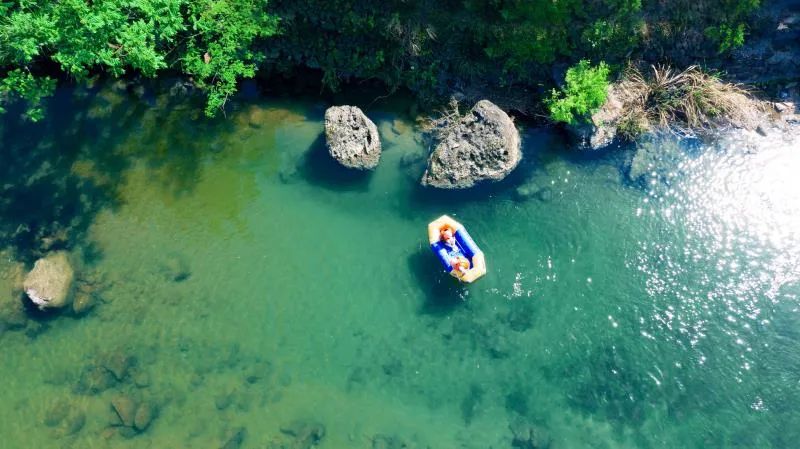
x=210, y=40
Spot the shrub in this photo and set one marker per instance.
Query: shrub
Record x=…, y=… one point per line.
x=213, y=40
x=219, y=50
x=726, y=36
x=584, y=93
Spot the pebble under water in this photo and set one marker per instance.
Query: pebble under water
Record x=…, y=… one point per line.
x=249, y=293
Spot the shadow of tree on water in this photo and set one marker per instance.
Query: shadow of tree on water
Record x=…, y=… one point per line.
x=58, y=174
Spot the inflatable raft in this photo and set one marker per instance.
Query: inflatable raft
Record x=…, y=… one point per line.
x=460, y=256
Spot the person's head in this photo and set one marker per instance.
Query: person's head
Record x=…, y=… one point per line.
x=446, y=233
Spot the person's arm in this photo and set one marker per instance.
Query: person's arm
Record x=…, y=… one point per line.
x=478, y=268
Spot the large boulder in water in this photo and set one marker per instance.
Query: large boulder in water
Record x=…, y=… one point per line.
x=48, y=284
x=352, y=138
x=482, y=145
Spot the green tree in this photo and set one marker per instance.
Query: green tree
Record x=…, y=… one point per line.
x=219, y=50
x=729, y=32
x=84, y=37
x=584, y=92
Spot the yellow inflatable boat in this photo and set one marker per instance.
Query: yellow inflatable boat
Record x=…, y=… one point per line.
x=456, y=250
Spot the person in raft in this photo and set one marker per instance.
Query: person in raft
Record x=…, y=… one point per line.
x=459, y=263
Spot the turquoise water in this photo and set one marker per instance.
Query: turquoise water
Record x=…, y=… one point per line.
x=633, y=300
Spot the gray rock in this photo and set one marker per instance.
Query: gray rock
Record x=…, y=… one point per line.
x=484, y=145
x=48, y=284
x=141, y=379
x=782, y=107
x=528, y=191
x=352, y=138
x=601, y=129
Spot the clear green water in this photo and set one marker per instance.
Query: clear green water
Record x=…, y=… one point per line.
x=659, y=312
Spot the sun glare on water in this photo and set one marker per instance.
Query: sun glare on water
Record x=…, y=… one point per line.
x=736, y=207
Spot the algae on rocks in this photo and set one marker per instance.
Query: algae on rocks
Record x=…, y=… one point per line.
x=352, y=138
x=483, y=145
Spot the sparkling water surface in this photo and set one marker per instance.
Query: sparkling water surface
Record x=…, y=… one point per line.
x=634, y=299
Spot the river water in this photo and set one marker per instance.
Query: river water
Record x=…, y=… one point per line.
x=249, y=287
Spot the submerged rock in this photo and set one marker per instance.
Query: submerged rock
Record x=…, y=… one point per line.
x=131, y=416
x=352, y=138
x=223, y=401
x=118, y=364
x=56, y=413
x=235, y=439
x=144, y=416
x=95, y=379
x=88, y=287
x=306, y=434
x=483, y=145
x=48, y=284
x=65, y=417
x=176, y=268
x=526, y=435
x=74, y=423
x=388, y=442
x=125, y=410
x=82, y=304
x=12, y=314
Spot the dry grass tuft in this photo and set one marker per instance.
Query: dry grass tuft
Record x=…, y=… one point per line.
x=687, y=101
x=439, y=126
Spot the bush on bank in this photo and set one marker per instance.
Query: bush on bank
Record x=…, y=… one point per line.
x=430, y=47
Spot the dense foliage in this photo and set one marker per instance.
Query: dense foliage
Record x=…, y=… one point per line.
x=584, y=92
x=431, y=47
x=210, y=39
x=729, y=32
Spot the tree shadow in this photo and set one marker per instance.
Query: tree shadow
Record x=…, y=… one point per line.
x=58, y=174
x=45, y=204
x=442, y=293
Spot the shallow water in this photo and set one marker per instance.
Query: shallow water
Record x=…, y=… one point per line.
x=639, y=301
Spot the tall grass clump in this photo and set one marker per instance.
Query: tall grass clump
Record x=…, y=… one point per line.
x=688, y=100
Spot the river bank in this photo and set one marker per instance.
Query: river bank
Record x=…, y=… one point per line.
x=512, y=54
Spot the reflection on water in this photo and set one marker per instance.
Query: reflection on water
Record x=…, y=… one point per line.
x=250, y=293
